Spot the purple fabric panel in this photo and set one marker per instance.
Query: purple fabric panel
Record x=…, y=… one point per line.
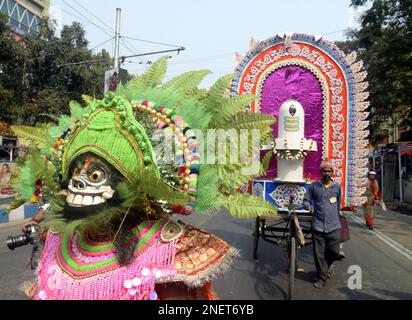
x=299, y=83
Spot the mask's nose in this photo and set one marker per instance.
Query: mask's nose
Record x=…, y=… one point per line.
x=79, y=183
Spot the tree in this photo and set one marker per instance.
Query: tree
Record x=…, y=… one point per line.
x=40, y=74
x=384, y=43
x=13, y=83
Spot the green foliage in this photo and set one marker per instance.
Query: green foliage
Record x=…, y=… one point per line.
x=153, y=186
x=76, y=110
x=246, y=206
x=37, y=74
x=65, y=122
x=186, y=82
x=37, y=135
x=384, y=44
x=26, y=182
x=208, y=197
x=54, y=132
x=35, y=167
x=233, y=176
x=151, y=78
x=216, y=93
x=17, y=202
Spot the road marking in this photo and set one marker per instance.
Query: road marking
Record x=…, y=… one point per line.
x=390, y=242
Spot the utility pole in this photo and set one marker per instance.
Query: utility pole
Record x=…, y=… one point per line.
x=117, y=39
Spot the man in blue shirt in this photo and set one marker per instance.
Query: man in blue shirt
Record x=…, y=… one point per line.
x=325, y=195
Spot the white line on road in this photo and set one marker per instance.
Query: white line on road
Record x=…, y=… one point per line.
x=390, y=242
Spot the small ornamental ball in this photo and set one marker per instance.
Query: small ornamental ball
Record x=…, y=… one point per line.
x=187, y=180
x=187, y=172
x=128, y=284
x=145, y=272
x=152, y=111
x=157, y=273
x=132, y=292
x=158, y=114
x=42, y=295
x=153, y=295
x=168, y=121
x=187, y=164
x=136, y=282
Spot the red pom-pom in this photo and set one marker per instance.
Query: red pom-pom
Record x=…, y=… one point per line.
x=178, y=209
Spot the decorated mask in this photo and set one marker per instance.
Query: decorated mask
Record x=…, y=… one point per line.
x=92, y=181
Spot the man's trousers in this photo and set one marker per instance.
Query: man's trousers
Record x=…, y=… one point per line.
x=326, y=248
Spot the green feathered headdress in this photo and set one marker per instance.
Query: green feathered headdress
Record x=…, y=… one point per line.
x=122, y=128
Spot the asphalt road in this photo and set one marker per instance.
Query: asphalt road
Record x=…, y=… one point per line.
x=386, y=267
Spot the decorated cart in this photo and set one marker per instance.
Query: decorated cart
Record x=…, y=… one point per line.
x=318, y=95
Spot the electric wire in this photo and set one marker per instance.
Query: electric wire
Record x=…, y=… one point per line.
x=108, y=27
x=96, y=25
x=102, y=43
x=154, y=42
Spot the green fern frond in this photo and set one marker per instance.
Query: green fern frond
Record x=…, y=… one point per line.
x=246, y=206
x=233, y=176
x=35, y=167
x=87, y=99
x=65, y=122
x=187, y=81
x=155, y=187
x=216, y=94
x=17, y=202
x=76, y=110
x=26, y=179
x=54, y=132
x=195, y=115
x=38, y=135
x=230, y=107
x=47, y=115
x=252, y=120
x=152, y=77
x=208, y=197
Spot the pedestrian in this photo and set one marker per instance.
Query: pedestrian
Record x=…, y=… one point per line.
x=373, y=195
x=325, y=195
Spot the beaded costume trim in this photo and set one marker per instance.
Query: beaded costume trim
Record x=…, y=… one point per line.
x=82, y=258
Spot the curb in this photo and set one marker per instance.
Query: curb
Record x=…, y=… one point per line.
x=28, y=210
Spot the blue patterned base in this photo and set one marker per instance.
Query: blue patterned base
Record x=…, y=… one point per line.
x=278, y=193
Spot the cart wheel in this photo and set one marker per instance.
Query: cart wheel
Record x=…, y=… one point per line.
x=256, y=235
x=292, y=267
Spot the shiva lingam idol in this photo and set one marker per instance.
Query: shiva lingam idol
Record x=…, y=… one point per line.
x=291, y=146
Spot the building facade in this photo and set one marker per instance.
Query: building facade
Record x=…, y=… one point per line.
x=25, y=15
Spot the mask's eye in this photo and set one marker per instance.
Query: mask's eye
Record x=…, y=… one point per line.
x=96, y=176
x=76, y=171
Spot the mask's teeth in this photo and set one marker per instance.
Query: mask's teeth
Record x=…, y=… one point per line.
x=70, y=197
x=78, y=199
x=87, y=200
x=98, y=200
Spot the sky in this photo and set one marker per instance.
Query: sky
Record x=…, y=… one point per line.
x=210, y=30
